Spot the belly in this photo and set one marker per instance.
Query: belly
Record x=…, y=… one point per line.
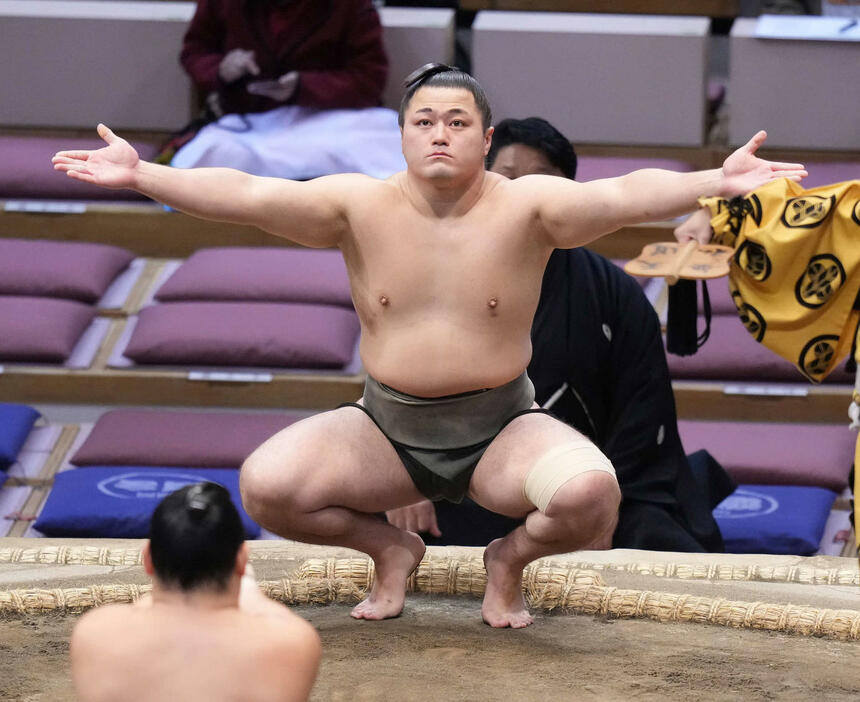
x=435, y=357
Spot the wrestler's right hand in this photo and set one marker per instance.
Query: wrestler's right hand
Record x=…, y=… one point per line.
x=112, y=166
x=420, y=518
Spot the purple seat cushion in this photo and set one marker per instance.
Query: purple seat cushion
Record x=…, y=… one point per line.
x=595, y=167
x=720, y=297
x=776, y=454
x=72, y=270
x=260, y=275
x=26, y=171
x=731, y=353
x=245, y=334
x=827, y=173
x=171, y=438
x=41, y=329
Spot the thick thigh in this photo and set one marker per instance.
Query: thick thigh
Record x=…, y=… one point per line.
x=337, y=458
x=497, y=483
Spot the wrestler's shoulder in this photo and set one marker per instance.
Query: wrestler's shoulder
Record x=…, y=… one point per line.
x=360, y=181
x=526, y=185
x=106, y=623
x=290, y=635
x=360, y=189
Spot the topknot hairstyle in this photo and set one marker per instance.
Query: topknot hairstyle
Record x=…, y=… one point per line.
x=440, y=75
x=195, y=534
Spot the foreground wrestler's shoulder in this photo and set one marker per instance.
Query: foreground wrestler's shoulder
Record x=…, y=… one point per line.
x=99, y=625
x=292, y=637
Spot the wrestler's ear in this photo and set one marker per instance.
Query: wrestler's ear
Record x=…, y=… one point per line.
x=147, y=559
x=241, y=559
x=488, y=140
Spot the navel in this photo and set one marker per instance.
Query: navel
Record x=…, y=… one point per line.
x=492, y=303
x=383, y=300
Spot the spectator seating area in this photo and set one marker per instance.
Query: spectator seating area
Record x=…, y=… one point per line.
x=108, y=299
x=104, y=479
x=264, y=319
x=584, y=71
x=139, y=87
x=821, y=115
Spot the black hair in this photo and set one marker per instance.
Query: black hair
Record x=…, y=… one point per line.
x=195, y=534
x=440, y=75
x=538, y=134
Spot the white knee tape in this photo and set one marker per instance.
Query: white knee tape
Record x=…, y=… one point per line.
x=559, y=465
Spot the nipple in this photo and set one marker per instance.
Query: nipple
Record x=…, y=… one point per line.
x=492, y=302
x=383, y=300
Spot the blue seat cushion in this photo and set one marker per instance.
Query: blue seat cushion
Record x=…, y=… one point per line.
x=16, y=421
x=118, y=501
x=778, y=519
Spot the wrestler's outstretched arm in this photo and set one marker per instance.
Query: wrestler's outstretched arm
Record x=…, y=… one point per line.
x=573, y=213
x=311, y=213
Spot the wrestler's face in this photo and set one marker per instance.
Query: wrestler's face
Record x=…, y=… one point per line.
x=443, y=137
x=517, y=160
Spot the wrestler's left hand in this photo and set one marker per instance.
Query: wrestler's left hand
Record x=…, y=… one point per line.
x=420, y=518
x=743, y=171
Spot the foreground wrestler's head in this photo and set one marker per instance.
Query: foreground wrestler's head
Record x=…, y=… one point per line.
x=196, y=540
x=445, y=123
x=530, y=146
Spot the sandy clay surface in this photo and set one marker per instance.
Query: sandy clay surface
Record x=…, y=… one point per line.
x=440, y=650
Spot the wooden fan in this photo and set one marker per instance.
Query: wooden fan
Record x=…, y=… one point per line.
x=672, y=260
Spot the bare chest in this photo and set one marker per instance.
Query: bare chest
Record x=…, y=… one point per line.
x=407, y=262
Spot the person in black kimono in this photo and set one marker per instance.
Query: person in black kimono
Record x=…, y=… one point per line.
x=598, y=363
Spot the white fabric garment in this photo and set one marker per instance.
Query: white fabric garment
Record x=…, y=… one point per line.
x=300, y=143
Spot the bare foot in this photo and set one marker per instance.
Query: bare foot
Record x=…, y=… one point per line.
x=393, y=567
x=504, y=604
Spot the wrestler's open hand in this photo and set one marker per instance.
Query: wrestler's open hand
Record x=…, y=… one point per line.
x=112, y=166
x=420, y=518
x=743, y=171
x=697, y=227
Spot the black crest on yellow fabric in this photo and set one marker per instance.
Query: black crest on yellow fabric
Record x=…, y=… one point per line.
x=816, y=356
x=754, y=261
x=855, y=213
x=807, y=212
x=754, y=208
x=824, y=275
x=751, y=318
x=739, y=209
